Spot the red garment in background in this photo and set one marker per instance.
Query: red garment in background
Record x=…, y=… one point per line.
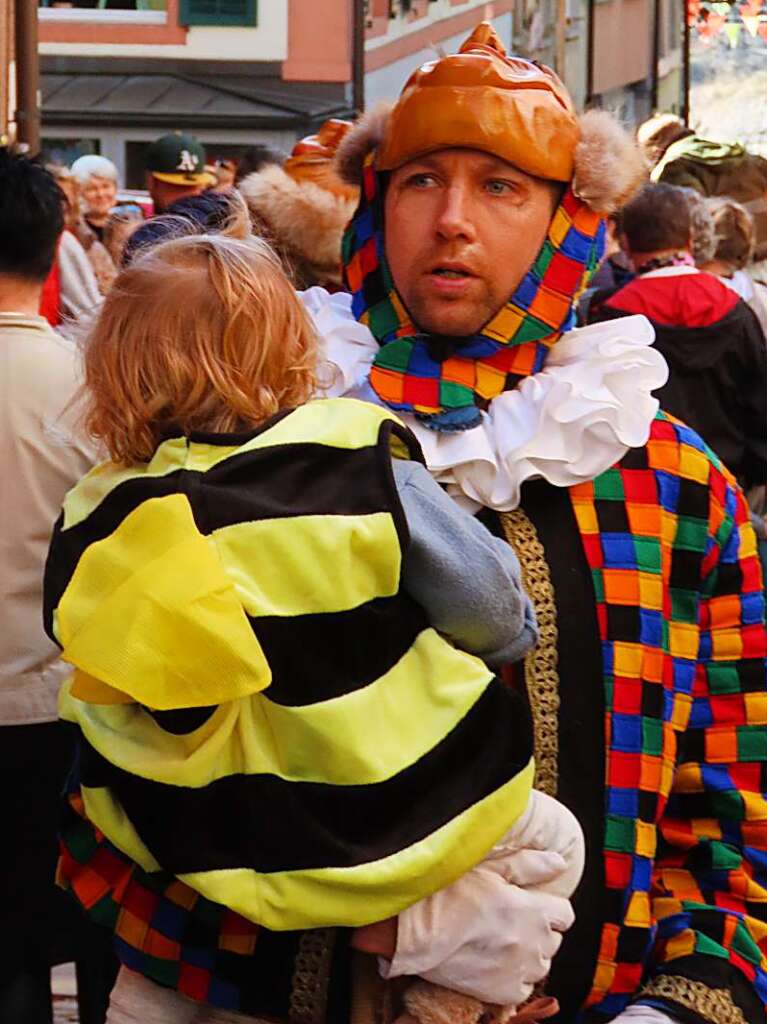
x=50, y=301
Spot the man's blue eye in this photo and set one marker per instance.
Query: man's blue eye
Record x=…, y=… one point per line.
x=497, y=187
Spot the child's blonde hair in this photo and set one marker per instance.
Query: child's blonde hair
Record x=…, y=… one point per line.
x=202, y=333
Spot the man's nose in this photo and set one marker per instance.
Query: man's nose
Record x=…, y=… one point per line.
x=455, y=219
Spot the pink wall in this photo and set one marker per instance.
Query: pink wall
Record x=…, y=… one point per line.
x=319, y=41
x=622, y=51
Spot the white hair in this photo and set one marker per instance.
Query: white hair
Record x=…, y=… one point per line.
x=92, y=166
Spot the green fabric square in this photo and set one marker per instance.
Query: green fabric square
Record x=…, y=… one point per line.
x=743, y=944
x=599, y=585
x=544, y=259
x=609, y=486
x=105, y=912
x=724, y=857
x=164, y=972
x=396, y=355
x=727, y=806
x=383, y=319
x=531, y=330
x=81, y=843
x=708, y=946
x=723, y=678
x=648, y=554
x=684, y=606
x=619, y=834
x=691, y=534
x=752, y=743
x=454, y=396
x=652, y=736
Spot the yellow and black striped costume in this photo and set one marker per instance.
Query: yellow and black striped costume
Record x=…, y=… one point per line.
x=263, y=711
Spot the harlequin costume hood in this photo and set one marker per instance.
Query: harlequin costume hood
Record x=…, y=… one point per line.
x=304, y=206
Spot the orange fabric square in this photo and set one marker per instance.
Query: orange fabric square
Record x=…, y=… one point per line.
x=158, y=945
x=389, y=385
x=549, y=307
x=644, y=519
x=621, y=586
x=721, y=746
x=131, y=929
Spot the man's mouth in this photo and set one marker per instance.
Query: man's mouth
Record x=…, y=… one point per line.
x=451, y=271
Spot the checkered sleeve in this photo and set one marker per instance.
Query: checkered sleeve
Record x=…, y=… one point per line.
x=710, y=880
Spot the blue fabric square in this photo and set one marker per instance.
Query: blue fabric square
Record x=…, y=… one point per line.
x=627, y=733
x=716, y=777
x=223, y=995
x=650, y=627
x=169, y=920
x=668, y=491
x=577, y=246
x=701, y=716
x=623, y=802
x=683, y=671
x=705, y=648
x=752, y=608
x=619, y=551
x=641, y=874
x=422, y=365
x=526, y=292
x=363, y=227
x=197, y=956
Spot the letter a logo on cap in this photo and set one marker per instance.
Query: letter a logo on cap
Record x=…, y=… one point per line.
x=188, y=162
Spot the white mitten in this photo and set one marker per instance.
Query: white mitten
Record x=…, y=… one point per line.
x=644, y=1015
x=481, y=936
x=544, y=848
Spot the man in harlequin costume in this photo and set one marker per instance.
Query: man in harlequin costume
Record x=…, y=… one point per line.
x=478, y=226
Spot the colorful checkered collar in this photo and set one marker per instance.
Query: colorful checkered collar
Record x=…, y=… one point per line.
x=409, y=373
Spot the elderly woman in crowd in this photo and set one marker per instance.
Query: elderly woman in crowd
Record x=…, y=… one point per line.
x=97, y=179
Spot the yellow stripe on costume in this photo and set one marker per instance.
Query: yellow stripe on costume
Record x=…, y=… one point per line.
x=386, y=727
x=335, y=422
x=156, y=585
x=280, y=566
x=348, y=897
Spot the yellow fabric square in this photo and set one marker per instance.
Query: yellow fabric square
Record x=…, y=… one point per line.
x=688, y=779
x=603, y=978
x=756, y=708
x=727, y=645
x=693, y=465
x=680, y=714
x=559, y=227
x=683, y=640
x=646, y=839
x=586, y=515
x=627, y=660
x=638, y=913
x=490, y=381
x=504, y=324
x=681, y=945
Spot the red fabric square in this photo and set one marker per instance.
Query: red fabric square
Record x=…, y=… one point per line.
x=368, y=257
x=617, y=869
x=627, y=696
x=625, y=769
x=729, y=709
x=141, y=902
x=194, y=982
x=639, y=486
x=592, y=545
x=563, y=274
x=421, y=391
x=627, y=978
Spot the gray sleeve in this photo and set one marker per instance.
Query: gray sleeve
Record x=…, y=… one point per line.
x=467, y=581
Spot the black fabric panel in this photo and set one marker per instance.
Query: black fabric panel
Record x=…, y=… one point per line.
x=581, y=732
x=182, y=721
x=269, y=824
x=291, y=480
x=318, y=657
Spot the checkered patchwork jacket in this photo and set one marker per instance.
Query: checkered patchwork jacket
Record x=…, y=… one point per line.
x=678, y=591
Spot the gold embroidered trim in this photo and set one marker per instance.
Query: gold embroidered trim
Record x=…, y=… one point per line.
x=714, y=1004
x=311, y=977
x=541, y=664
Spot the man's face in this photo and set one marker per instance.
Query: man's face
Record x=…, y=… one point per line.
x=462, y=230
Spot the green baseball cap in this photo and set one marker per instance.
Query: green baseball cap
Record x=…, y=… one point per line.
x=178, y=159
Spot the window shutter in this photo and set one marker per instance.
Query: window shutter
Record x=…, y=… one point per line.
x=218, y=12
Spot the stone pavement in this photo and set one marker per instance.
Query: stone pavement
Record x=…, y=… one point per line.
x=64, y=990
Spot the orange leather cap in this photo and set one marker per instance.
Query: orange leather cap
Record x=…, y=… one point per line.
x=312, y=159
x=480, y=98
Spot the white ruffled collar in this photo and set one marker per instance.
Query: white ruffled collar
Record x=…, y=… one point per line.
x=566, y=424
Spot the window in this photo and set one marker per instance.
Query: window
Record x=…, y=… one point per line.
x=109, y=11
x=66, y=151
x=218, y=12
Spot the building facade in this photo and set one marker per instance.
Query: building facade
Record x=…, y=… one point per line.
x=116, y=73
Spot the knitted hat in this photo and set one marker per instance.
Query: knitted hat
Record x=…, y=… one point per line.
x=515, y=109
x=313, y=158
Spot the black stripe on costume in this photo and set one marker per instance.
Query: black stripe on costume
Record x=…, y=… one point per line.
x=319, y=657
x=270, y=824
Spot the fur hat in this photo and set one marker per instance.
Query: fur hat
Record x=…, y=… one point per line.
x=593, y=150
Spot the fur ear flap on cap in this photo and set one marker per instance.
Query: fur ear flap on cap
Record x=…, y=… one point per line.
x=609, y=166
x=356, y=144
